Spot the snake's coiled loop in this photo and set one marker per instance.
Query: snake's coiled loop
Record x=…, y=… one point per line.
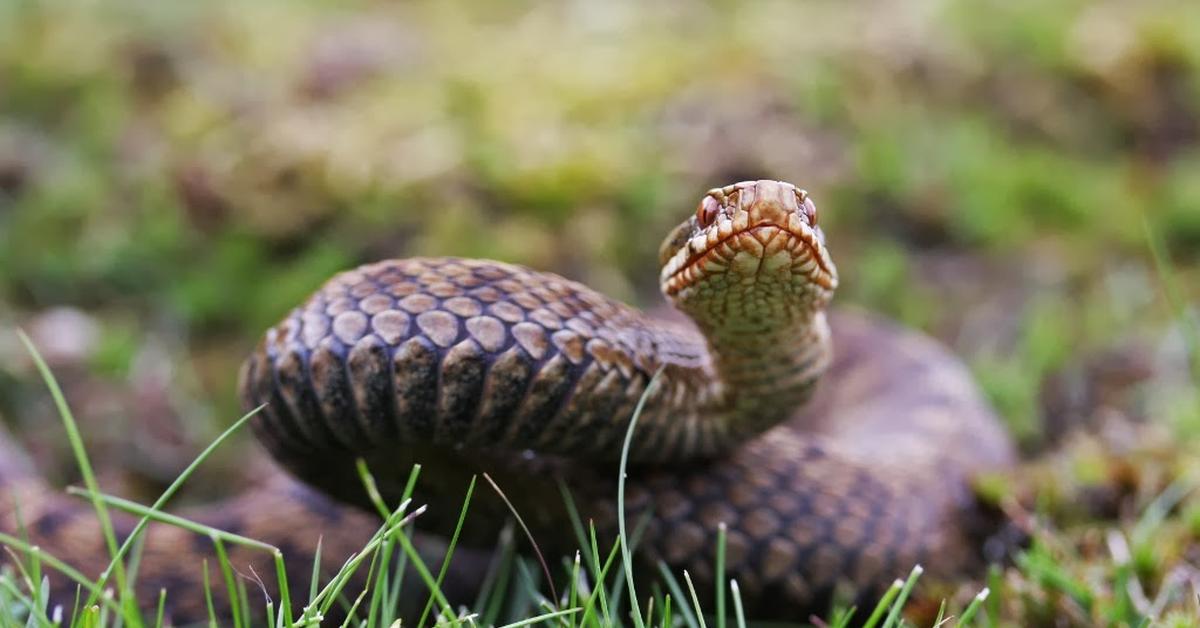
x=469, y=366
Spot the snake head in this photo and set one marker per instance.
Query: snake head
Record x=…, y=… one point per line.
x=753, y=250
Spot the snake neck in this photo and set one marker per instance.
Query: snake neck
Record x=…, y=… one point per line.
x=767, y=373
x=725, y=384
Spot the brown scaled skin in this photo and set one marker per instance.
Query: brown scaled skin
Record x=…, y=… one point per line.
x=278, y=510
x=468, y=366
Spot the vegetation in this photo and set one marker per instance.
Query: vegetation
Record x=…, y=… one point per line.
x=1016, y=178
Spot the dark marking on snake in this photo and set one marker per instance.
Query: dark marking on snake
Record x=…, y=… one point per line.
x=471, y=365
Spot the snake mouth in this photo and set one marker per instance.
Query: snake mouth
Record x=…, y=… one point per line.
x=804, y=243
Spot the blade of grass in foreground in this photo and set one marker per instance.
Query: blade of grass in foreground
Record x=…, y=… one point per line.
x=898, y=605
x=720, y=579
x=121, y=503
x=462, y=516
x=695, y=600
x=54, y=563
x=162, y=608
x=314, y=580
x=884, y=603
x=973, y=608
x=422, y=570
x=231, y=589
x=201, y=529
x=528, y=535
x=36, y=606
x=386, y=589
x=170, y=491
x=89, y=476
x=494, y=587
x=573, y=593
x=601, y=573
x=736, y=592
x=626, y=554
x=325, y=599
x=689, y=619
x=541, y=618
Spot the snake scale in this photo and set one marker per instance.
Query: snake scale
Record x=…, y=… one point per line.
x=835, y=447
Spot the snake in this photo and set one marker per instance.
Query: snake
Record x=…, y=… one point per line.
x=820, y=450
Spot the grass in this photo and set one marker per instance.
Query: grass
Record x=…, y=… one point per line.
x=24, y=591
x=1052, y=579
x=136, y=185
x=1047, y=580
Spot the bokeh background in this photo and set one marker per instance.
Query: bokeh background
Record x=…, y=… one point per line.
x=1019, y=178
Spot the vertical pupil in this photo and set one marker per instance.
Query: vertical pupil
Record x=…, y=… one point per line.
x=708, y=211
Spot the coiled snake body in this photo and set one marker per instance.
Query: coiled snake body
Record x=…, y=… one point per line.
x=467, y=366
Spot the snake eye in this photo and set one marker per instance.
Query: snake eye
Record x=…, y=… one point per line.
x=707, y=212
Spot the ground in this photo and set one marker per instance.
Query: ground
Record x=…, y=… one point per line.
x=1016, y=178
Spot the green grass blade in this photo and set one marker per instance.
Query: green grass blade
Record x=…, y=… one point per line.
x=673, y=584
x=385, y=589
x=884, y=603
x=230, y=582
x=541, y=618
x=162, y=608
x=329, y=594
x=285, y=596
x=85, y=466
x=462, y=516
x=419, y=566
x=353, y=607
x=898, y=606
x=175, y=485
x=597, y=596
x=626, y=551
x=373, y=494
x=315, y=580
x=720, y=578
x=738, y=611
x=695, y=601
x=133, y=507
x=969, y=614
x=572, y=595
x=31, y=604
x=243, y=600
x=843, y=616
x=208, y=600
x=1045, y=570
x=599, y=573
x=528, y=534
x=493, y=591
x=576, y=523
x=56, y=564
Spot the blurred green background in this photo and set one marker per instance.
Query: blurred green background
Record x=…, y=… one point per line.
x=175, y=176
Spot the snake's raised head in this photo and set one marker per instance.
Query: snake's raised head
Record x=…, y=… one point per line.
x=751, y=253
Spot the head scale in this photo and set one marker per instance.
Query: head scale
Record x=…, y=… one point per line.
x=751, y=253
